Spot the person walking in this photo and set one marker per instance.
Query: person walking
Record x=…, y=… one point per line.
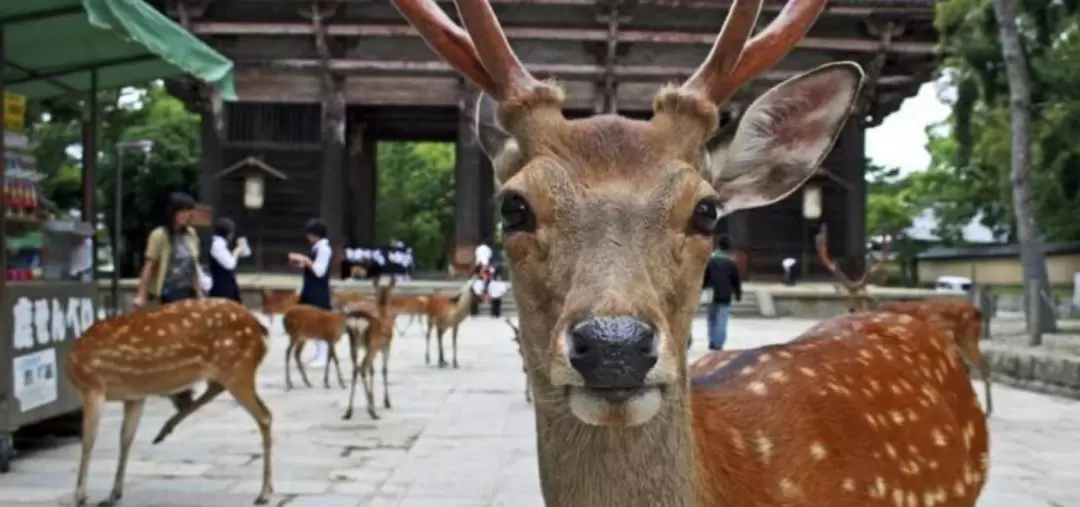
x=171, y=269
x=223, y=261
x=315, y=290
x=722, y=276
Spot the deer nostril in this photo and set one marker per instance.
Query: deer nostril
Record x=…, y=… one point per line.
x=580, y=347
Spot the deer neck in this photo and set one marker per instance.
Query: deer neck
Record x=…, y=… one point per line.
x=588, y=466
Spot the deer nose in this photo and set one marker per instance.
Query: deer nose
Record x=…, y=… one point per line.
x=613, y=352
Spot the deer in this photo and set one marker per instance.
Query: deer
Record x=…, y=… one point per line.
x=444, y=314
x=275, y=302
x=309, y=323
x=524, y=369
x=961, y=319
x=162, y=351
x=413, y=306
x=607, y=225
x=376, y=340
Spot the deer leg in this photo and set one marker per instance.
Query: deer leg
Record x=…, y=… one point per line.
x=213, y=389
x=244, y=392
x=367, y=375
x=427, y=343
x=288, y=377
x=133, y=410
x=91, y=405
x=385, y=376
x=439, y=333
x=354, y=345
x=453, y=344
x=326, y=369
x=300, y=363
x=337, y=366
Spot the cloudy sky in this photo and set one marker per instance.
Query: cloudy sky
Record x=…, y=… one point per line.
x=900, y=141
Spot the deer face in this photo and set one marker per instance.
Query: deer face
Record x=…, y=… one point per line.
x=607, y=220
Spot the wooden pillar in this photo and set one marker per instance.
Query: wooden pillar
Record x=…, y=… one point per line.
x=468, y=178
x=363, y=185
x=852, y=144
x=212, y=139
x=332, y=140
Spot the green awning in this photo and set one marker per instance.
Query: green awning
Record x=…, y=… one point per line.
x=52, y=45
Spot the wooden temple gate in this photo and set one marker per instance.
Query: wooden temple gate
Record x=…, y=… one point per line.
x=321, y=83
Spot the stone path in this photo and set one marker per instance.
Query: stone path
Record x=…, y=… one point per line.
x=453, y=438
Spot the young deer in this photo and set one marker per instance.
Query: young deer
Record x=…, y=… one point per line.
x=413, y=306
x=607, y=224
x=308, y=323
x=376, y=340
x=161, y=351
x=444, y=313
x=961, y=320
x=524, y=368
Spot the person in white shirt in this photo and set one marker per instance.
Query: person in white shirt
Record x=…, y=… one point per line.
x=223, y=261
x=497, y=288
x=82, y=260
x=483, y=255
x=315, y=290
x=478, y=290
x=790, y=274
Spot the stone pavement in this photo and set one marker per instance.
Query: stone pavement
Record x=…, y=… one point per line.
x=454, y=438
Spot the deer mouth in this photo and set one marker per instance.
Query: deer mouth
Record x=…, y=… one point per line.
x=615, y=406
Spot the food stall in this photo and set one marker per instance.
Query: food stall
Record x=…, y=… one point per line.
x=48, y=296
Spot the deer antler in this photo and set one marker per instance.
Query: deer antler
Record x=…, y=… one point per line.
x=826, y=259
x=480, y=51
x=730, y=64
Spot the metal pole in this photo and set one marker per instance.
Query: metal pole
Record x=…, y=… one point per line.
x=118, y=205
x=89, y=172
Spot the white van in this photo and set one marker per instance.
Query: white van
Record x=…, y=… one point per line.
x=953, y=284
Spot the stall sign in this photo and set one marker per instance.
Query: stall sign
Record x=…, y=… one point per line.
x=14, y=112
x=43, y=321
x=35, y=379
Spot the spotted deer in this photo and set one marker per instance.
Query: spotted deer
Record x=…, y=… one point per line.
x=376, y=340
x=446, y=314
x=162, y=351
x=607, y=226
x=305, y=323
x=961, y=320
x=524, y=369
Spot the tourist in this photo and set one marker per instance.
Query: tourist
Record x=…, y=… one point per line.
x=722, y=276
x=790, y=274
x=315, y=290
x=171, y=271
x=223, y=261
x=497, y=288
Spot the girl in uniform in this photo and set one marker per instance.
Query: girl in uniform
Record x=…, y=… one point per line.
x=315, y=290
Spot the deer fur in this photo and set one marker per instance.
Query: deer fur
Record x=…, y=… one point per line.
x=375, y=340
x=308, y=323
x=161, y=351
x=446, y=314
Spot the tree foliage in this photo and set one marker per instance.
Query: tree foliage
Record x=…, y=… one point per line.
x=416, y=199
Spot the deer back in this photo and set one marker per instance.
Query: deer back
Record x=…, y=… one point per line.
x=166, y=347
x=306, y=321
x=862, y=408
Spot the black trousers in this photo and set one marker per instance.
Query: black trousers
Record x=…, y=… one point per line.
x=496, y=307
x=474, y=309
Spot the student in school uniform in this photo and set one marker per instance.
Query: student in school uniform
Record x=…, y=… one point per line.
x=315, y=290
x=223, y=261
x=497, y=289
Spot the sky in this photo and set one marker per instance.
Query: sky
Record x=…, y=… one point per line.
x=900, y=141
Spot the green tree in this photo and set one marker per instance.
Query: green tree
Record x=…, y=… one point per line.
x=416, y=199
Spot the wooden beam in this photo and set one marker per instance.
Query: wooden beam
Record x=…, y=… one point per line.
x=639, y=73
x=719, y=5
x=550, y=34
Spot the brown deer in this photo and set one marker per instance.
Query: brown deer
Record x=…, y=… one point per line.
x=309, y=323
x=961, y=320
x=376, y=340
x=161, y=351
x=275, y=302
x=524, y=368
x=607, y=224
x=413, y=306
x=445, y=314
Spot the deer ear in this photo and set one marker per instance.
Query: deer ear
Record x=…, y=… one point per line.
x=784, y=135
x=498, y=145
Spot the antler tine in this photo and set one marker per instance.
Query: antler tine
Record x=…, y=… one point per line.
x=886, y=246
x=494, y=50
x=826, y=259
x=728, y=47
x=447, y=39
x=769, y=46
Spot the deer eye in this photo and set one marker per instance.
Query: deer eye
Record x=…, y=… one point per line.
x=516, y=215
x=706, y=214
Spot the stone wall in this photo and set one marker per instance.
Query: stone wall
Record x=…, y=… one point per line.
x=1044, y=370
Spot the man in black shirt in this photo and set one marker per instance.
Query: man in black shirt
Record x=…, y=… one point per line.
x=722, y=276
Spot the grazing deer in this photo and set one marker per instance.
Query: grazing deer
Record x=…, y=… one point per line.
x=959, y=317
x=608, y=224
x=162, y=351
x=309, y=323
x=524, y=368
x=444, y=313
x=376, y=340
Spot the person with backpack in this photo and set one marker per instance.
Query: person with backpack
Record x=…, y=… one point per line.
x=722, y=277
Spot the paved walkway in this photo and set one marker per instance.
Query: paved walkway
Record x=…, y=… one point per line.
x=453, y=438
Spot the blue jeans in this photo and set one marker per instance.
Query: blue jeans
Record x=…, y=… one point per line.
x=718, y=319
